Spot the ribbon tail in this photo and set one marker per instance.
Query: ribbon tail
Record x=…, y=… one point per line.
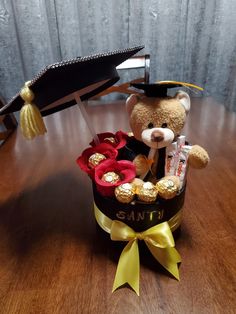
x=167, y=257
x=128, y=267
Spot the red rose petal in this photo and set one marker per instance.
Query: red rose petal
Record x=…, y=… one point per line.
x=106, y=149
x=120, y=139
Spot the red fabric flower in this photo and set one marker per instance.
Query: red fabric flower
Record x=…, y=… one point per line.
x=117, y=140
x=106, y=149
x=124, y=168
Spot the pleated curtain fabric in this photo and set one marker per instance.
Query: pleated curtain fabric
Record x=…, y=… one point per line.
x=193, y=41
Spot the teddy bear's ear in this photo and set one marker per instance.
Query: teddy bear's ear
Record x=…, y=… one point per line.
x=184, y=99
x=131, y=102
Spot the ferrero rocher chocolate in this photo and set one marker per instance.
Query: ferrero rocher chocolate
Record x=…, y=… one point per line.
x=125, y=192
x=110, y=177
x=95, y=159
x=148, y=192
x=175, y=179
x=110, y=139
x=138, y=183
x=167, y=188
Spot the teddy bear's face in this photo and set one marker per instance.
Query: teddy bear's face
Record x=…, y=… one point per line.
x=157, y=121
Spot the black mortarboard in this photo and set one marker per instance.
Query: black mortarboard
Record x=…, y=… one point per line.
x=63, y=84
x=159, y=89
x=89, y=75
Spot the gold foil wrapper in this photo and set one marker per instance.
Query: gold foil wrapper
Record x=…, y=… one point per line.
x=111, y=177
x=174, y=179
x=147, y=193
x=125, y=192
x=167, y=189
x=138, y=183
x=95, y=159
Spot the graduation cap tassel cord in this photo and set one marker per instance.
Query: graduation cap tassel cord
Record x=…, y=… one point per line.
x=86, y=117
x=31, y=121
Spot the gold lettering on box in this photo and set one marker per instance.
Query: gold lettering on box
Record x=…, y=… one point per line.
x=140, y=215
x=131, y=216
x=151, y=215
x=120, y=215
x=160, y=214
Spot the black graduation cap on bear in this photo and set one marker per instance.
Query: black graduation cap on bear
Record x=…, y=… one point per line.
x=160, y=88
x=64, y=84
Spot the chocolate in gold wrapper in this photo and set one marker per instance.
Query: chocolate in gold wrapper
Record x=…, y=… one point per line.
x=167, y=189
x=125, y=192
x=174, y=179
x=111, y=177
x=147, y=193
x=95, y=159
x=138, y=183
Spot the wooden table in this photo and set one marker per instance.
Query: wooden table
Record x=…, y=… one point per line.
x=53, y=258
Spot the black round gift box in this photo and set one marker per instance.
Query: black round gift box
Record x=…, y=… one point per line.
x=138, y=215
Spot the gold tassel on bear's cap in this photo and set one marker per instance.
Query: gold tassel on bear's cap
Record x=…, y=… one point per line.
x=31, y=121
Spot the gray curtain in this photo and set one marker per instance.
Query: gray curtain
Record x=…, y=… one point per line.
x=193, y=41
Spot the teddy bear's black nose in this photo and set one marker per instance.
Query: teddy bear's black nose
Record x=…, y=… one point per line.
x=157, y=136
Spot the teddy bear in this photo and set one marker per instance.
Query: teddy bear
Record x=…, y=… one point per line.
x=155, y=123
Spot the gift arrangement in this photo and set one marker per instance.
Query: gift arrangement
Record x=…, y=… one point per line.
x=138, y=178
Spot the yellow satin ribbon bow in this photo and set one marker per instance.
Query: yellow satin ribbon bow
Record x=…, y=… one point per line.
x=159, y=240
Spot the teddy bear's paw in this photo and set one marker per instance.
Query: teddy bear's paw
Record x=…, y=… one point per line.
x=142, y=165
x=168, y=187
x=198, y=158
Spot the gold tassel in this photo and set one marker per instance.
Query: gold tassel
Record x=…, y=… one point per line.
x=31, y=121
x=185, y=84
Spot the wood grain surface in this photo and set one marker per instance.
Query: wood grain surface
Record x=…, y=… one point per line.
x=53, y=257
